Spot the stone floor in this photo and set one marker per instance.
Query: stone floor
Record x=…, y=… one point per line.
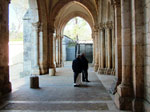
x=57, y=94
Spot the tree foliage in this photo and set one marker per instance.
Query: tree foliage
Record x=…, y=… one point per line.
x=78, y=29
x=17, y=10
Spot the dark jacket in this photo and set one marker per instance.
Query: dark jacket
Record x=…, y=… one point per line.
x=77, y=65
x=84, y=63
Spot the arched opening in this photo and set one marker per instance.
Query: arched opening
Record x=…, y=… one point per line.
x=79, y=33
x=69, y=11
x=23, y=25
x=17, y=10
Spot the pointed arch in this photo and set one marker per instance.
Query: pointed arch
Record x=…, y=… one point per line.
x=87, y=5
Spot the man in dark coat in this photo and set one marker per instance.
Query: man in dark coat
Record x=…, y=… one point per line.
x=77, y=68
x=84, y=68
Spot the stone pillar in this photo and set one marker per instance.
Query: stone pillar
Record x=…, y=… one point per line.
x=5, y=85
x=42, y=59
x=35, y=65
x=118, y=48
x=93, y=49
x=123, y=97
x=138, y=54
x=59, y=51
x=113, y=49
x=106, y=48
x=109, y=45
x=102, y=48
x=96, y=49
x=50, y=53
x=61, y=56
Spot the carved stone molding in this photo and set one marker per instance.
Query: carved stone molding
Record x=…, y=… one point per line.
x=116, y=3
x=101, y=26
x=109, y=25
x=96, y=27
x=36, y=25
x=40, y=27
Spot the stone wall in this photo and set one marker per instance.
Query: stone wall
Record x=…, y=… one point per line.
x=147, y=49
x=27, y=31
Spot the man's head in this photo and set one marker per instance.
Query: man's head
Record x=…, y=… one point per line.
x=83, y=54
x=78, y=56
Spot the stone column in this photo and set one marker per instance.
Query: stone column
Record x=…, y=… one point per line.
x=35, y=65
x=109, y=45
x=102, y=49
x=5, y=85
x=118, y=48
x=56, y=49
x=50, y=53
x=123, y=97
x=61, y=56
x=96, y=49
x=59, y=51
x=42, y=59
x=99, y=46
x=138, y=55
x=106, y=48
x=113, y=49
x=93, y=49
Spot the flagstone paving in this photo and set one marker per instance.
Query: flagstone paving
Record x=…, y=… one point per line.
x=57, y=94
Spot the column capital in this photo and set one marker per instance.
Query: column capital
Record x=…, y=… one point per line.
x=116, y=3
x=57, y=35
x=101, y=26
x=95, y=28
x=109, y=25
x=40, y=27
x=36, y=25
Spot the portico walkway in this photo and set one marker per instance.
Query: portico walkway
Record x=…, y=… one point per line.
x=57, y=94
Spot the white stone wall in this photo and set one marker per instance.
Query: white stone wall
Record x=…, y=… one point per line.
x=27, y=43
x=147, y=49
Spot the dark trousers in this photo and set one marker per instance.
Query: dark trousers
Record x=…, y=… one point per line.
x=84, y=75
x=75, y=76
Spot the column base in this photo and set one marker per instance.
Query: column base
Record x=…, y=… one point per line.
x=113, y=88
x=43, y=70
x=137, y=105
x=106, y=71
x=123, y=103
x=101, y=71
x=123, y=97
x=52, y=71
x=58, y=65
x=7, y=88
x=113, y=72
x=96, y=67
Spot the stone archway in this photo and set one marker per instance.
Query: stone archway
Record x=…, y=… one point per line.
x=35, y=39
x=65, y=15
x=87, y=5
